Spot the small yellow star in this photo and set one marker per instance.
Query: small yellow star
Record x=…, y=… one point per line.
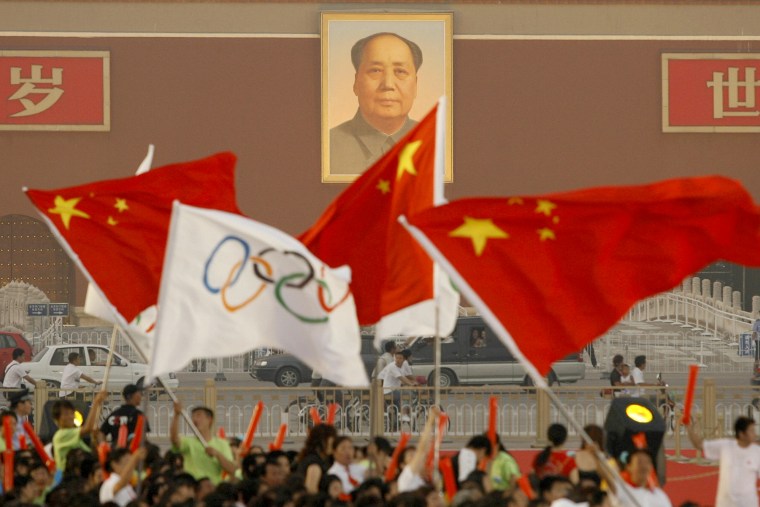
x=67, y=209
x=545, y=207
x=384, y=186
x=121, y=205
x=545, y=233
x=555, y=219
x=405, y=162
x=514, y=200
x=479, y=230
x=112, y=221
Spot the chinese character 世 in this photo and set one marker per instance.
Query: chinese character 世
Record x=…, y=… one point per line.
x=734, y=86
x=29, y=86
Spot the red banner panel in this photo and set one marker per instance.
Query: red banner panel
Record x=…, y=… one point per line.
x=54, y=90
x=711, y=92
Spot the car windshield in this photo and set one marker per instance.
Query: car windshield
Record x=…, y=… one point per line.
x=38, y=355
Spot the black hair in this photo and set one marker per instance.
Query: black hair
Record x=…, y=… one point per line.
x=59, y=406
x=357, y=51
x=316, y=441
x=18, y=353
x=617, y=359
x=115, y=456
x=384, y=445
x=389, y=345
x=201, y=408
x=480, y=442
x=742, y=423
x=73, y=356
x=639, y=361
x=557, y=434
x=546, y=483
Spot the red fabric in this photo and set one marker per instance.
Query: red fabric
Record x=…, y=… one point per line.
x=559, y=463
x=125, y=259
x=390, y=271
x=611, y=247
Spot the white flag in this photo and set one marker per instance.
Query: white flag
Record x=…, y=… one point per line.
x=231, y=284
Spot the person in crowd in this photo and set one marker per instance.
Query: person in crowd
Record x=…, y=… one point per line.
x=21, y=405
x=466, y=460
x=739, y=460
x=121, y=465
x=201, y=461
x=350, y=474
x=553, y=460
x=125, y=414
x=72, y=375
x=15, y=374
x=633, y=484
x=586, y=475
x=504, y=469
x=554, y=487
x=68, y=436
x=314, y=459
x=411, y=477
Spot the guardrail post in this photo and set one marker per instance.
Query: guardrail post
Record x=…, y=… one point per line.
x=543, y=415
x=376, y=409
x=209, y=395
x=40, y=398
x=710, y=420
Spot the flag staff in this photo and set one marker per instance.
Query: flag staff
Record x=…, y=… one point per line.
x=437, y=386
x=109, y=361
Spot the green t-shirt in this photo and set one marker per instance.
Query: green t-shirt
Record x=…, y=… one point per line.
x=503, y=470
x=64, y=441
x=198, y=463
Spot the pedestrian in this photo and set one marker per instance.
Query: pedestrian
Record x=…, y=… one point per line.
x=126, y=414
x=385, y=358
x=72, y=374
x=739, y=460
x=615, y=375
x=68, y=436
x=15, y=373
x=640, y=364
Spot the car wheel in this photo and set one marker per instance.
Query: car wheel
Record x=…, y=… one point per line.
x=551, y=379
x=287, y=377
x=447, y=378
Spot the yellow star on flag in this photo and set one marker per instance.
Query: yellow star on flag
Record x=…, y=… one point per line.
x=545, y=233
x=67, y=209
x=121, y=205
x=514, y=200
x=384, y=186
x=479, y=230
x=545, y=207
x=112, y=221
x=405, y=162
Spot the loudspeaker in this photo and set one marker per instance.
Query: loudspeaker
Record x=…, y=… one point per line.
x=628, y=417
x=47, y=424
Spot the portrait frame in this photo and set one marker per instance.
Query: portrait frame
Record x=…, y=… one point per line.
x=432, y=32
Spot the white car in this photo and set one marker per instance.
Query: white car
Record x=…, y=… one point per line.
x=47, y=366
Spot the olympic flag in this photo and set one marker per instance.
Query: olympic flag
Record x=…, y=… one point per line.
x=552, y=273
x=231, y=284
x=396, y=284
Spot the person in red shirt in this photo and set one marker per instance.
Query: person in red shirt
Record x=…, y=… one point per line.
x=553, y=460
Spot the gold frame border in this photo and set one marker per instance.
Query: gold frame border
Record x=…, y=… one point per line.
x=448, y=20
x=666, y=126
x=104, y=56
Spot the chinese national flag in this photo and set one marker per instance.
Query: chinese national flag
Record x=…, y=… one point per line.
x=116, y=230
x=556, y=271
x=389, y=270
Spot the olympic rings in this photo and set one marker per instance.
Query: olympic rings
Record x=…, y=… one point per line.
x=233, y=308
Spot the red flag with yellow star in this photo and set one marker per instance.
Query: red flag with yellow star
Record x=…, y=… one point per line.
x=392, y=278
x=550, y=274
x=116, y=230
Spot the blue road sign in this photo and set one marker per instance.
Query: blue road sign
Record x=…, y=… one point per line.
x=59, y=309
x=36, y=309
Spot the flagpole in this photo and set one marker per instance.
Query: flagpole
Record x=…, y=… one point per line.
x=437, y=389
x=109, y=361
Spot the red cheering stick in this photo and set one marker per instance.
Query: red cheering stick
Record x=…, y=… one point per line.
x=449, y=481
x=121, y=440
x=9, y=469
x=8, y=432
x=315, y=418
x=493, y=412
x=442, y=420
x=390, y=473
x=691, y=386
x=331, y=411
x=39, y=447
x=277, y=444
x=255, y=416
x=526, y=488
x=221, y=433
x=103, y=450
x=22, y=442
x=137, y=438
x=639, y=440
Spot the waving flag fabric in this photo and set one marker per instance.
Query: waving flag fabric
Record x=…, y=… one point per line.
x=552, y=273
x=394, y=281
x=232, y=284
x=116, y=230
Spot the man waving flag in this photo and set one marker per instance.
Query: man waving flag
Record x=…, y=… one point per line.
x=552, y=273
x=393, y=280
x=231, y=284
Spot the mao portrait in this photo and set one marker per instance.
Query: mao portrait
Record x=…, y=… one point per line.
x=379, y=76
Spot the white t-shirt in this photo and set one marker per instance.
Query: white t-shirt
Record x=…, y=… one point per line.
x=406, y=369
x=739, y=471
x=468, y=463
x=70, y=379
x=14, y=374
x=638, y=378
x=626, y=380
x=122, y=497
x=409, y=481
x=391, y=377
x=645, y=497
x=357, y=474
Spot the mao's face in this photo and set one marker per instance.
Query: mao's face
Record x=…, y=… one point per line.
x=386, y=82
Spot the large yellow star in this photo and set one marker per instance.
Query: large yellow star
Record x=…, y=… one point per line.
x=545, y=233
x=479, y=230
x=405, y=162
x=67, y=209
x=545, y=207
x=384, y=186
x=121, y=205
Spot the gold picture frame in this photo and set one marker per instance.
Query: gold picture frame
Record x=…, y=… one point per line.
x=431, y=33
